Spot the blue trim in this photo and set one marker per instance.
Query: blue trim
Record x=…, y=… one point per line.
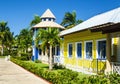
x=35, y=50
x=33, y=58
x=70, y=49
x=36, y=53
x=79, y=50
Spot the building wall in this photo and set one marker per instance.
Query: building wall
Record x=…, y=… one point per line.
x=83, y=36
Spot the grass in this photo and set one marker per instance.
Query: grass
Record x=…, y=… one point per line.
x=2, y=56
x=46, y=66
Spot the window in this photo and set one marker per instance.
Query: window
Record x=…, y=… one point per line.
x=88, y=50
x=101, y=49
x=79, y=50
x=70, y=48
x=53, y=51
x=49, y=19
x=44, y=19
x=40, y=52
x=58, y=50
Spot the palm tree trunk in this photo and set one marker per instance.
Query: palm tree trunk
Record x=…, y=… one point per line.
x=50, y=60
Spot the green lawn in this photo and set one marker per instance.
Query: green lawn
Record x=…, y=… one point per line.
x=46, y=66
x=2, y=56
x=42, y=65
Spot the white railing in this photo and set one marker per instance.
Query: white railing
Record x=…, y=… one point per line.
x=43, y=58
x=58, y=59
x=115, y=67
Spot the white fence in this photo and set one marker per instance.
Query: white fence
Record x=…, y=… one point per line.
x=115, y=67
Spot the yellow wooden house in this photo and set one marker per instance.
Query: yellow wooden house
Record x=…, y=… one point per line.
x=94, y=45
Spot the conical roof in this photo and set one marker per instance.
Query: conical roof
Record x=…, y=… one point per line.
x=48, y=14
x=46, y=24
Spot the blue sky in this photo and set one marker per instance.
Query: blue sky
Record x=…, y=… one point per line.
x=19, y=13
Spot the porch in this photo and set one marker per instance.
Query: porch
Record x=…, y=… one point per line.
x=94, y=66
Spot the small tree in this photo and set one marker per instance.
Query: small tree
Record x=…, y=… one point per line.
x=49, y=38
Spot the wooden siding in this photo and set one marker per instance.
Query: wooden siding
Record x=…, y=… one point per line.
x=82, y=37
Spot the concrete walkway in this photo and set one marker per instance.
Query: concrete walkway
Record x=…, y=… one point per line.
x=11, y=73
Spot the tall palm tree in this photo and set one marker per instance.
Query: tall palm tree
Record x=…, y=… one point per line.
x=69, y=20
x=35, y=21
x=49, y=38
x=6, y=36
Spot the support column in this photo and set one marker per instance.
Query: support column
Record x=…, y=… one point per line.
x=35, y=50
x=108, y=54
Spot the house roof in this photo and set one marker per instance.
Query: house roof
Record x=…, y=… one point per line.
x=112, y=16
x=107, y=28
x=46, y=24
x=48, y=14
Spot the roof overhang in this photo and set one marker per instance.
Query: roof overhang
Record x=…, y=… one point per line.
x=47, y=24
x=106, y=28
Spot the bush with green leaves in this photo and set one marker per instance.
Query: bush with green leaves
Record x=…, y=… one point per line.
x=66, y=76
x=38, y=61
x=58, y=66
x=101, y=79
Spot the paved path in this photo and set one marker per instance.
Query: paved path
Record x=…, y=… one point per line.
x=11, y=73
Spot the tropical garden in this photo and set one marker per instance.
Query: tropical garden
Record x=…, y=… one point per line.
x=20, y=49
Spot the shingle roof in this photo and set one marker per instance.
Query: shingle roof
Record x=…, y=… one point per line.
x=48, y=14
x=46, y=24
x=112, y=16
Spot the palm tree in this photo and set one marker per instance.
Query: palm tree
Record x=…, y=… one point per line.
x=6, y=36
x=24, y=40
x=35, y=21
x=69, y=20
x=49, y=38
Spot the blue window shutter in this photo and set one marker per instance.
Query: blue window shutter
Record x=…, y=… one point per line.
x=79, y=50
x=70, y=50
x=58, y=51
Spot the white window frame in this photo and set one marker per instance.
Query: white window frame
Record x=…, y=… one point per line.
x=85, y=49
x=68, y=50
x=97, y=46
x=76, y=50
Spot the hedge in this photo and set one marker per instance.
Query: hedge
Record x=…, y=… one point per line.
x=66, y=76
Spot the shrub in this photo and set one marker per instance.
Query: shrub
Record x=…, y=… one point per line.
x=38, y=61
x=67, y=76
x=58, y=66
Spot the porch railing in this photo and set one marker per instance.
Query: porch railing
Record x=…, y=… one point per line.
x=115, y=67
x=58, y=59
x=95, y=65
